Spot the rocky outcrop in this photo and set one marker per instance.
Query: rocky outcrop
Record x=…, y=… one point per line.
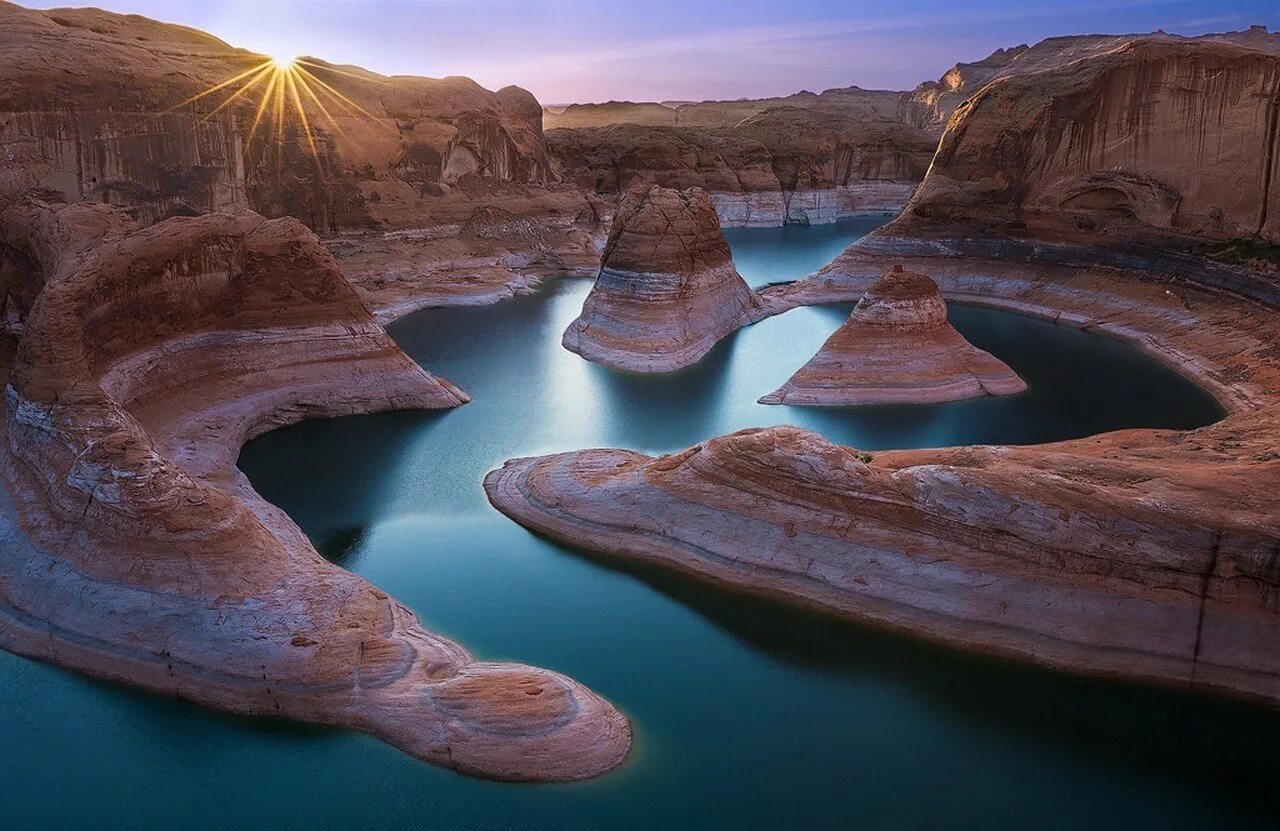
x=897, y=348
x=1157, y=143
x=783, y=166
x=132, y=549
x=855, y=102
x=1143, y=554
x=930, y=105
x=667, y=289
x=156, y=119
x=159, y=120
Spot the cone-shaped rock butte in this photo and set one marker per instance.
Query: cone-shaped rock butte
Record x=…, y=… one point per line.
x=733, y=700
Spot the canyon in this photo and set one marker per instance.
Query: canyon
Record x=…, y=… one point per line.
x=1141, y=554
x=179, y=275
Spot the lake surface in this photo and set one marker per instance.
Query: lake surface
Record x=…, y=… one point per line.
x=746, y=714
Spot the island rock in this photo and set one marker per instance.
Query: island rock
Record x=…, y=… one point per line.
x=897, y=348
x=667, y=289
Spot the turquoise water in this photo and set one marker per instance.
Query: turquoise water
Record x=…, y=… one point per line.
x=747, y=714
x=766, y=255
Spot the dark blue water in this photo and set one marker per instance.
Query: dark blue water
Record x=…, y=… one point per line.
x=747, y=714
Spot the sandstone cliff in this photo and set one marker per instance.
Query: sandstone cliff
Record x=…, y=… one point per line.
x=930, y=105
x=784, y=165
x=132, y=549
x=867, y=104
x=159, y=120
x=897, y=348
x=1157, y=142
x=667, y=289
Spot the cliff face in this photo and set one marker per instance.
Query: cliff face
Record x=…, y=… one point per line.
x=92, y=106
x=132, y=549
x=1152, y=140
x=930, y=105
x=896, y=348
x=667, y=289
x=784, y=165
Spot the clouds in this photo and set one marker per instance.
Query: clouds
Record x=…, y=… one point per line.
x=579, y=50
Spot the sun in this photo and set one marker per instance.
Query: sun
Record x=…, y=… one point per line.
x=289, y=88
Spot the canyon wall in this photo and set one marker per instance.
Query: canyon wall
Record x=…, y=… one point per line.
x=872, y=104
x=1157, y=141
x=98, y=106
x=784, y=165
x=930, y=105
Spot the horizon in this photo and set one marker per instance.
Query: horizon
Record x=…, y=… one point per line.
x=673, y=52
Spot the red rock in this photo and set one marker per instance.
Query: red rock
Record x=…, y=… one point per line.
x=132, y=549
x=897, y=347
x=667, y=289
x=1141, y=554
x=1162, y=142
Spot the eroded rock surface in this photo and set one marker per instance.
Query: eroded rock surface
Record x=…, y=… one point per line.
x=132, y=549
x=667, y=289
x=1157, y=141
x=897, y=348
x=784, y=165
x=1141, y=554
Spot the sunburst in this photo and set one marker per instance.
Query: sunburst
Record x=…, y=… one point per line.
x=287, y=88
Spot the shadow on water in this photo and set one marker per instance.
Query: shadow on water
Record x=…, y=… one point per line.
x=693, y=396
x=1127, y=726
x=331, y=473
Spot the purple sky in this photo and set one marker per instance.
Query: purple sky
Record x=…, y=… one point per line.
x=595, y=50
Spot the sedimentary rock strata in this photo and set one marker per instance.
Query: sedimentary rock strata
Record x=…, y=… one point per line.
x=930, y=105
x=1159, y=141
x=667, y=289
x=1141, y=554
x=132, y=549
x=786, y=165
x=897, y=347
x=159, y=150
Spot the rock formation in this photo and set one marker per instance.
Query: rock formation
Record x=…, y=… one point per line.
x=1153, y=140
x=403, y=138
x=930, y=105
x=667, y=289
x=1142, y=554
x=132, y=549
x=897, y=348
x=786, y=165
x=1087, y=195
x=396, y=165
x=866, y=104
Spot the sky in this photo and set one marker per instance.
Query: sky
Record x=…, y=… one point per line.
x=597, y=50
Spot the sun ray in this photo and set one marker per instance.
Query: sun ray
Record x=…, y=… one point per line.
x=267, y=64
x=243, y=90
x=334, y=92
x=367, y=78
x=315, y=99
x=262, y=105
x=302, y=115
